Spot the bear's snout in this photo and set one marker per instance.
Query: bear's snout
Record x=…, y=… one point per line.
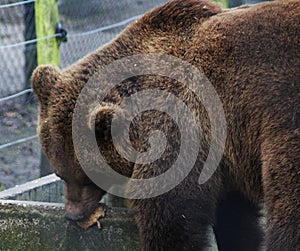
x=73, y=217
x=77, y=211
x=81, y=201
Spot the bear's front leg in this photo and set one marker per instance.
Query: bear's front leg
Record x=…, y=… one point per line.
x=173, y=222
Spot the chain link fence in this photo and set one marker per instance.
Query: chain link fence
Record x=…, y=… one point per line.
x=11, y=58
x=82, y=19
x=90, y=23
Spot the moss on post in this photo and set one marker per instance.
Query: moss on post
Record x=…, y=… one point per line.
x=46, y=17
x=224, y=3
x=46, y=20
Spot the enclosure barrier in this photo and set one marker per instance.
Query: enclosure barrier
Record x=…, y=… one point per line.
x=32, y=218
x=41, y=226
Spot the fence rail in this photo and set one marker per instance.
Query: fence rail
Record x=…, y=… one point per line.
x=32, y=41
x=16, y=142
x=16, y=4
x=106, y=28
x=15, y=95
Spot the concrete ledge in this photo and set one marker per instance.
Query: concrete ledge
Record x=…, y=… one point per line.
x=45, y=189
x=28, y=225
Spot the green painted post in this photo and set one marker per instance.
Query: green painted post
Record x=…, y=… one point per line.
x=224, y=3
x=46, y=18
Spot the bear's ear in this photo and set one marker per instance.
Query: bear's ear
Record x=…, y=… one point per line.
x=43, y=79
x=101, y=118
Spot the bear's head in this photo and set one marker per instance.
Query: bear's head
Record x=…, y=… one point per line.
x=57, y=94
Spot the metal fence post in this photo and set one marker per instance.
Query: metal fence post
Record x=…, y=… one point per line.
x=30, y=49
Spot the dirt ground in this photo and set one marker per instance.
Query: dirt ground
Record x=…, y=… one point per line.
x=19, y=163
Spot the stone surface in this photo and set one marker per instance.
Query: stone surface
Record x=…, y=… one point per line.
x=42, y=226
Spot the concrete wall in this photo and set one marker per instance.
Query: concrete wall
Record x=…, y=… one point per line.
x=42, y=226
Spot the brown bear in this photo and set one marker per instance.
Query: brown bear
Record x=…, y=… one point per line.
x=251, y=56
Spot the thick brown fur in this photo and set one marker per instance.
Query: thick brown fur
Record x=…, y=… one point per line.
x=251, y=55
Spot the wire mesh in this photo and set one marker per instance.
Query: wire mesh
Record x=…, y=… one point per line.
x=11, y=61
x=90, y=15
